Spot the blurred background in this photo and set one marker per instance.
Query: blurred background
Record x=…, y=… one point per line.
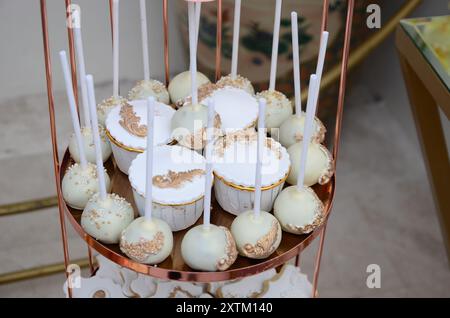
x=383, y=213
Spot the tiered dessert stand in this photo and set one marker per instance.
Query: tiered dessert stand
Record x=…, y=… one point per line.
x=174, y=267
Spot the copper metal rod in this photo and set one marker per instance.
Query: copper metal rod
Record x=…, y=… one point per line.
x=73, y=63
x=219, y=40
x=343, y=79
x=324, y=25
x=111, y=20
x=39, y=271
x=297, y=260
x=319, y=258
x=51, y=110
x=166, y=41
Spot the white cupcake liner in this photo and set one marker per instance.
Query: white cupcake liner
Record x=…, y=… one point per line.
x=122, y=156
x=179, y=216
x=236, y=201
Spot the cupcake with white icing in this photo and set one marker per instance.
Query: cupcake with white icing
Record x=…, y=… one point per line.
x=178, y=185
x=234, y=170
x=126, y=127
x=238, y=110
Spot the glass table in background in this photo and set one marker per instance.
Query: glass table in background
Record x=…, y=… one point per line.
x=423, y=46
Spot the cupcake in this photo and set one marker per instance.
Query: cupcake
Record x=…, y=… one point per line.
x=178, y=185
x=234, y=170
x=238, y=110
x=127, y=130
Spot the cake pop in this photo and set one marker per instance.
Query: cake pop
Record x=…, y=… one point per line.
x=234, y=79
x=106, y=105
x=147, y=87
x=257, y=233
x=209, y=247
x=189, y=121
x=86, y=131
x=147, y=239
x=80, y=181
x=297, y=208
x=279, y=107
x=291, y=130
x=319, y=162
x=105, y=215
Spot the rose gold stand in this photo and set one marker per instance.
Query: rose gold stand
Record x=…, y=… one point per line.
x=174, y=267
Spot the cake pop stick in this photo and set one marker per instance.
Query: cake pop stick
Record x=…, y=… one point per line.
x=116, y=48
x=236, y=25
x=143, y=11
x=73, y=108
x=309, y=123
x=321, y=57
x=81, y=68
x=198, y=11
x=208, y=176
x=260, y=147
x=149, y=169
x=296, y=60
x=94, y=124
x=275, y=41
x=193, y=52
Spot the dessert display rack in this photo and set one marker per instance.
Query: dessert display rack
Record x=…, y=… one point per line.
x=173, y=267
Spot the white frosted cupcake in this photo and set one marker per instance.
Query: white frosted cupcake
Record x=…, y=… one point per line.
x=126, y=127
x=237, y=109
x=178, y=185
x=234, y=170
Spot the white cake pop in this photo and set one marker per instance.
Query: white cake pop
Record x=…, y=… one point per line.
x=80, y=181
x=234, y=79
x=319, y=164
x=279, y=108
x=257, y=233
x=180, y=86
x=105, y=215
x=291, y=130
x=147, y=87
x=80, y=184
x=106, y=218
x=297, y=208
x=106, y=105
x=88, y=143
x=208, y=247
x=147, y=239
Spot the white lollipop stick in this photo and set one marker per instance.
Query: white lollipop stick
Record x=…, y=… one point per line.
x=236, y=25
x=81, y=69
x=208, y=176
x=259, y=151
x=193, y=52
x=275, y=41
x=309, y=124
x=198, y=11
x=296, y=60
x=144, y=40
x=116, y=48
x=321, y=57
x=149, y=171
x=73, y=108
x=96, y=134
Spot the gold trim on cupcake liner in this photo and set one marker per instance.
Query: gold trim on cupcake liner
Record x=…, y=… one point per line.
x=251, y=189
x=171, y=204
x=120, y=145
